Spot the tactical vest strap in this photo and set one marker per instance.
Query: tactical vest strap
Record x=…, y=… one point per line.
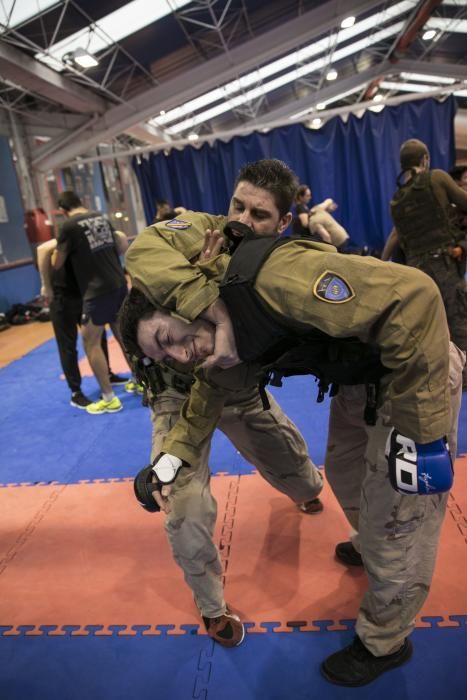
x=282, y=346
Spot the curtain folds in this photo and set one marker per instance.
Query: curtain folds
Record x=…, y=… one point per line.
x=355, y=162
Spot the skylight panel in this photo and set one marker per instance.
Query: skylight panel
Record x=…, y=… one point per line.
x=447, y=24
x=110, y=29
x=15, y=12
x=290, y=60
x=282, y=80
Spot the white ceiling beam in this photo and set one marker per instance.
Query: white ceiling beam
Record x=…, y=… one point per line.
x=443, y=70
x=34, y=77
x=211, y=74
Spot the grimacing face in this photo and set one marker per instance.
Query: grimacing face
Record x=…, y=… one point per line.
x=163, y=337
x=256, y=208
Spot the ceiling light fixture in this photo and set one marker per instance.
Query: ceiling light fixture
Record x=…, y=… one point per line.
x=331, y=75
x=347, y=22
x=429, y=34
x=316, y=123
x=81, y=58
x=193, y=137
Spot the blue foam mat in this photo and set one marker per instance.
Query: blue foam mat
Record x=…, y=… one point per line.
x=44, y=439
x=273, y=666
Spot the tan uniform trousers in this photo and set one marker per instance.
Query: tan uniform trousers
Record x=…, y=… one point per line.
x=397, y=535
x=266, y=439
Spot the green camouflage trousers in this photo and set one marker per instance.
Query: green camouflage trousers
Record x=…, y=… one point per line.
x=397, y=535
x=266, y=439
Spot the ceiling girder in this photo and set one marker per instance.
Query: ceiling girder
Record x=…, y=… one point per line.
x=211, y=74
x=326, y=94
x=35, y=77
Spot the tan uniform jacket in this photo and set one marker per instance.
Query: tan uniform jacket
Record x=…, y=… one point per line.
x=396, y=307
x=159, y=264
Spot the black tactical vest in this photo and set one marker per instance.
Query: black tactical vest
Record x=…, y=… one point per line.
x=284, y=347
x=421, y=221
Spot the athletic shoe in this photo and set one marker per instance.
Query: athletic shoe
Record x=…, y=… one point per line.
x=311, y=507
x=348, y=555
x=355, y=665
x=117, y=379
x=227, y=629
x=102, y=406
x=133, y=388
x=79, y=400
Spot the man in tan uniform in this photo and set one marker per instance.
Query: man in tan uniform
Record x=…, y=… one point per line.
x=308, y=285
x=159, y=263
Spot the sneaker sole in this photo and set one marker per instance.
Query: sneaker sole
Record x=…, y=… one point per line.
x=101, y=413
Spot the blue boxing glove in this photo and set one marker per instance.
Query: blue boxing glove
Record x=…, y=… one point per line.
x=418, y=469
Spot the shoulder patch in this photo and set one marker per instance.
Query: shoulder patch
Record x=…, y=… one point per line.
x=178, y=224
x=332, y=288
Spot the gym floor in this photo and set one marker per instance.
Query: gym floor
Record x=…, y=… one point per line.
x=93, y=606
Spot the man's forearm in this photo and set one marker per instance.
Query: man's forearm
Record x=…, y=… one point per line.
x=390, y=245
x=44, y=258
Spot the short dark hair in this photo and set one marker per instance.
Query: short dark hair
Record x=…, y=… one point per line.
x=411, y=153
x=135, y=307
x=301, y=190
x=272, y=175
x=69, y=200
x=161, y=202
x=457, y=172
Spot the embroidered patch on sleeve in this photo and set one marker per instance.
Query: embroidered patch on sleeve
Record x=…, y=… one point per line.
x=178, y=224
x=333, y=288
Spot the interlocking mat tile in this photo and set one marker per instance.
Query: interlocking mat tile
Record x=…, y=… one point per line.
x=87, y=558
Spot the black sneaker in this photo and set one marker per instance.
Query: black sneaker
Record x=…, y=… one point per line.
x=355, y=665
x=117, y=378
x=348, y=555
x=79, y=400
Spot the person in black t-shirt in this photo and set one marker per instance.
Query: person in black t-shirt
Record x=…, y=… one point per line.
x=61, y=292
x=88, y=241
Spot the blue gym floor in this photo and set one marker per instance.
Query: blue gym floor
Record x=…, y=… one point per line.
x=47, y=445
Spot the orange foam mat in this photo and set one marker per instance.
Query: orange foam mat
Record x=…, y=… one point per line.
x=95, y=557
x=88, y=555
x=117, y=360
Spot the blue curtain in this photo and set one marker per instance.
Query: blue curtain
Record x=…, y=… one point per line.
x=355, y=162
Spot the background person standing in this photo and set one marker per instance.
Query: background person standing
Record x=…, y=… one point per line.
x=89, y=242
